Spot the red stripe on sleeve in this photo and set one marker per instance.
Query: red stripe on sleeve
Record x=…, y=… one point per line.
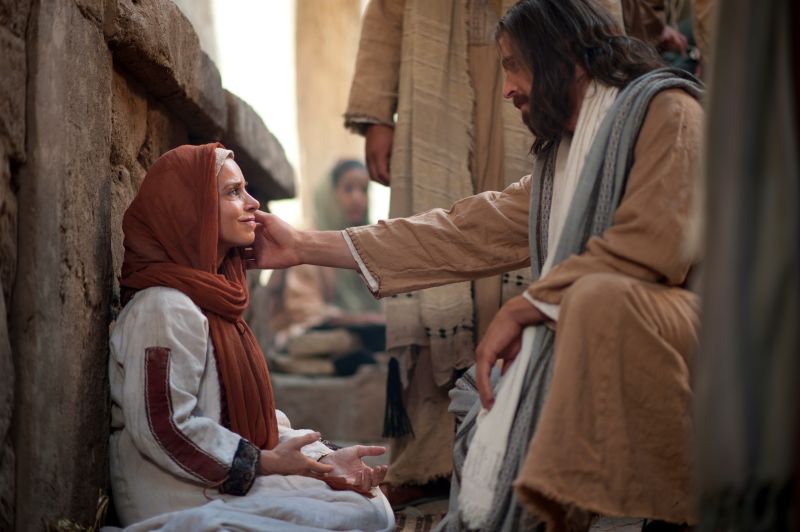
x=175, y=444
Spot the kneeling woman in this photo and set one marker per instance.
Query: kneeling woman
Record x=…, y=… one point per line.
x=196, y=441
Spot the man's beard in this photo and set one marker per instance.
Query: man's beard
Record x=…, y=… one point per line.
x=520, y=101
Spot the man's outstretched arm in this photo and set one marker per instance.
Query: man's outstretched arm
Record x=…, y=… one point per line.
x=279, y=245
x=477, y=237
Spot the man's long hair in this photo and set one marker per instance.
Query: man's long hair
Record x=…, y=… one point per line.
x=551, y=37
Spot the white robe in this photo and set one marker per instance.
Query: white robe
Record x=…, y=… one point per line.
x=167, y=456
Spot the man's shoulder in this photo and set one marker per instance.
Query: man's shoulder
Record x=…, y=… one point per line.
x=671, y=102
x=672, y=114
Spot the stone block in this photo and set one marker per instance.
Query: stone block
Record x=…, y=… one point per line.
x=128, y=120
x=355, y=404
x=6, y=410
x=163, y=133
x=12, y=93
x=124, y=186
x=8, y=226
x=14, y=15
x=258, y=152
x=60, y=307
x=92, y=10
x=155, y=42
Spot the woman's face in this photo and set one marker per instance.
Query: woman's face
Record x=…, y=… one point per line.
x=351, y=194
x=237, y=223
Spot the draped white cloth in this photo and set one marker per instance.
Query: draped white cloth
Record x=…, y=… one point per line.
x=487, y=449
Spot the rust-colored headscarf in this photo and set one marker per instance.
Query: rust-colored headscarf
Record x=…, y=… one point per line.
x=171, y=235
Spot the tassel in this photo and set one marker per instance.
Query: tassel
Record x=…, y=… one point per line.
x=395, y=420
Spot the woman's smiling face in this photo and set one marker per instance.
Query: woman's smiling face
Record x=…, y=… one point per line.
x=237, y=223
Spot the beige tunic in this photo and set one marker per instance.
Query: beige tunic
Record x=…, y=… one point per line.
x=641, y=254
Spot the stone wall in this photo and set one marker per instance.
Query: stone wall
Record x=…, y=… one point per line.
x=13, y=24
x=92, y=92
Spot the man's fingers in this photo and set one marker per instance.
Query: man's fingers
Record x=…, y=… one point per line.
x=371, y=170
x=482, y=372
x=374, y=170
x=369, y=450
x=510, y=353
x=382, y=164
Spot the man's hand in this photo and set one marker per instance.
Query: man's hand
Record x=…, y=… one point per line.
x=348, y=464
x=287, y=458
x=276, y=243
x=378, y=151
x=279, y=245
x=673, y=40
x=502, y=341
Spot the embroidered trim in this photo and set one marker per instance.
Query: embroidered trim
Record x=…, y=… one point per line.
x=545, y=204
x=158, y=404
x=243, y=470
x=330, y=445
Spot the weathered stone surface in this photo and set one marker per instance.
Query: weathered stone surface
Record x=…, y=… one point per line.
x=6, y=410
x=8, y=226
x=93, y=10
x=12, y=93
x=124, y=186
x=155, y=42
x=164, y=132
x=128, y=120
x=60, y=307
x=201, y=14
x=359, y=400
x=14, y=15
x=258, y=152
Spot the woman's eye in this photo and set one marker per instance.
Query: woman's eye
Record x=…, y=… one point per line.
x=235, y=192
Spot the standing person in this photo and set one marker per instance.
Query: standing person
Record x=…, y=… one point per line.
x=593, y=416
x=436, y=65
x=196, y=440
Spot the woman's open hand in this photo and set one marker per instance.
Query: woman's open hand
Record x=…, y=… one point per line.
x=287, y=458
x=276, y=243
x=348, y=463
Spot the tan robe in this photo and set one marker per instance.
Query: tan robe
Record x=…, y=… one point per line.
x=614, y=433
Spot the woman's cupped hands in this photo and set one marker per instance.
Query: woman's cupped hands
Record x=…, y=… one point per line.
x=287, y=458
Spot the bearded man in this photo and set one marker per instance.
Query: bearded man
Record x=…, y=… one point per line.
x=593, y=415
